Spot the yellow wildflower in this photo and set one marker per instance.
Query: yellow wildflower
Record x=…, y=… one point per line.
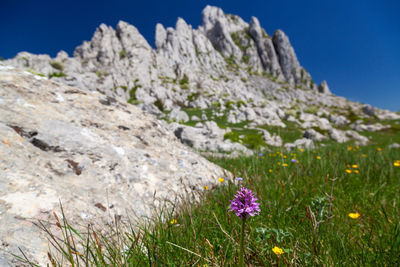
x=355, y=166
x=356, y=171
x=301, y=150
x=221, y=180
x=318, y=157
x=174, y=221
x=354, y=215
x=284, y=165
x=348, y=171
x=270, y=170
x=364, y=155
x=379, y=149
x=284, y=156
x=205, y=187
x=349, y=148
x=277, y=251
x=396, y=163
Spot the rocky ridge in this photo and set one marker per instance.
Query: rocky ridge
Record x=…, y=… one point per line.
x=226, y=64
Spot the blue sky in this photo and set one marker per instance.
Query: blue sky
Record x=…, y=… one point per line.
x=354, y=45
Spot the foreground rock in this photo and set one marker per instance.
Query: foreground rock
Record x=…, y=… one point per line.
x=207, y=137
x=98, y=156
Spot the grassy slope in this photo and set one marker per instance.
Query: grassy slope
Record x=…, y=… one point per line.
x=305, y=207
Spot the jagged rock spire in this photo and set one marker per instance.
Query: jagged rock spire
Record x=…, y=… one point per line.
x=286, y=56
x=265, y=48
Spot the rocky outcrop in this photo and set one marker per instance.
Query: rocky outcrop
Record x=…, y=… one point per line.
x=271, y=140
x=314, y=135
x=121, y=64
x=300, y=143
x=206, y=137
x=360, y=127
x=100, y=157
x=369, y=110
x=265, y=48
x=226, y=64
x=323, y=88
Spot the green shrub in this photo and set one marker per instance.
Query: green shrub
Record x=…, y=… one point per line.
x=229, y=104
x=233, y=136
x=272, y=78
x=240, y=103
x=159, y=104
x=193, y=96
x=216, y=104
x=291, y=112
x=184, y=82
x=122, y=54
x=101, y=73
x=253, y=141
x=132, y=93
x=57, y=74
x=312, y=109
x=57, y=65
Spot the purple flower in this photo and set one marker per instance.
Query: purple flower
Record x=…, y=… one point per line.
x=244, y=204
x=294, y=160
x=239, y=179
x=260, y=154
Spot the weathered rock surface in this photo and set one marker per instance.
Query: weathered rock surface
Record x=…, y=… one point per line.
x=359, y=139
x=271, y=140
x=300, y=143
x=338, y=135
x=207, y=137
x=314, y=135
x=369, y=110
x=98, y=156
x=344, y=136
x=359, y=126
x=324, y=88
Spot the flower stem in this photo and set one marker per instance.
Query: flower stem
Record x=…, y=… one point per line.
x=241, y=253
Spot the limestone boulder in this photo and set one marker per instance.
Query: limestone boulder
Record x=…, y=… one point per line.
x=100, y=157
x=314, y=135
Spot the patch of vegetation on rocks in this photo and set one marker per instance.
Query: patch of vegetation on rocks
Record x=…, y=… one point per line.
x=311, y=109
x=159, y=104
x=35, y=72
x=132, y=93
x=57, y=65
x=101, y=73
x=184, y=82
x=231, y=63
x=193, y=96
x=57, y=74
x=122, y=54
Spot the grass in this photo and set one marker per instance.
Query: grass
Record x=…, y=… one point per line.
x=57, y=74
x=305, y=206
